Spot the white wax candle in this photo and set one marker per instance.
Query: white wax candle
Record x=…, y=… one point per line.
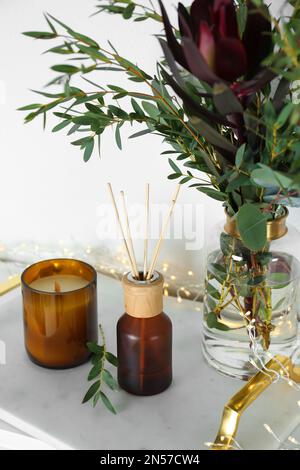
x=66, y=283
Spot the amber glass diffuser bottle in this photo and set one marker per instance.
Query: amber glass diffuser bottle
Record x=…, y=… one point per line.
x=60, y=312
x=144, y=336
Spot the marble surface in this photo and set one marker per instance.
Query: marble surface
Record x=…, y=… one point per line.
x=12, y=438
x=46, y=404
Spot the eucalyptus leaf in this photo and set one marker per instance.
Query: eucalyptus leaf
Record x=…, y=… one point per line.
x=95, y=371
x=240, y=155
x=150, y=109
x=137, y=107
x=109, y=380
x=107, y=403
x=279, y=280
x=242, y=15
x=93, y=52
x=85, y=39
x=40, y=34
x=237, y=183
x=174, y=176
x=120, y=113
x=96, y=398
x=252, y=226
x=65, y=68
x=265, y=176
x=140, y=133
x=128, y=12
x=211, y=290
x=213, y=193
x=30, y=106
x=84, y=120
x=118, y=137
x=174, y=166
x=112, y=359
x=60, y=126
x=284, y=115
x=52, y=27
x=213, y=322
x=91, y=391
x=95, y=348
x=89, y=147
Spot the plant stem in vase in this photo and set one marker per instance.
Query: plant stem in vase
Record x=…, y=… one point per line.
x=250, y=300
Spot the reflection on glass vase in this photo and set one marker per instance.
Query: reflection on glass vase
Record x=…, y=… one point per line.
x=251, y=301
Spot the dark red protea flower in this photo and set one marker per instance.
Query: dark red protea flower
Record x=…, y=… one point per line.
x=211, y=47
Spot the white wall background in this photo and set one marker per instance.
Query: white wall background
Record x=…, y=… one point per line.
x=47, y=192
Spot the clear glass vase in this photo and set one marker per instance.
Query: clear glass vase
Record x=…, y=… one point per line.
x=251, y=302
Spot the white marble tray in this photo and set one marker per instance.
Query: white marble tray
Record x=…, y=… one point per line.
x=46, y=404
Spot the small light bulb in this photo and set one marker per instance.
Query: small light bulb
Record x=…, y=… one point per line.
x=267, y=428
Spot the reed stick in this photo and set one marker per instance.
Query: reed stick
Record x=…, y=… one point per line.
x=165, y=225
x=120, y=225
x=129, y=237
x=146, y=230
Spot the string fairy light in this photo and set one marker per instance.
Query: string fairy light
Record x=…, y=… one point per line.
x=105, y=262
x=283, y=374
x=290, y=445
x=293, y=440
x=258, y=361
x=234, y=446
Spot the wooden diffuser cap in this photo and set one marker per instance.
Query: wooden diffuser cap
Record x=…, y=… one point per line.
x=143, y=299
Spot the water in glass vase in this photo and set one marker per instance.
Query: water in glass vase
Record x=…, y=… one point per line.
x=250, y=306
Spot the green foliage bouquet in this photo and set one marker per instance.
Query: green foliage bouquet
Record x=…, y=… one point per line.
x=223, y=96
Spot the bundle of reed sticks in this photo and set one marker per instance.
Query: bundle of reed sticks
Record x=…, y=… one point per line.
x=147, y=272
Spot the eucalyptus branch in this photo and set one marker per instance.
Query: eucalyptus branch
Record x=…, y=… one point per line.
x=128, y=9
x=100, y=374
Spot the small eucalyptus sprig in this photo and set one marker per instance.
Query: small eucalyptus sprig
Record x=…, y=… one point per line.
x=129, y=9
x=100, y=374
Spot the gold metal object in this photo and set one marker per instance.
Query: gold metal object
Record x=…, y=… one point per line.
x=275, y=228
x=247, y=395
x=10, y=284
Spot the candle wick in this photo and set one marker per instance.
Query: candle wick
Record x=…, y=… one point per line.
x=57, y=286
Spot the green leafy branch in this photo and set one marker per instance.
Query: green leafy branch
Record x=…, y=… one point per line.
x=129, y=9
x=285, y=61
x=101, y=374
x=240, y=278
x=162, y=116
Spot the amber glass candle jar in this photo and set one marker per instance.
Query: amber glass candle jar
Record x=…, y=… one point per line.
x=60, y=312
x=144, y=338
